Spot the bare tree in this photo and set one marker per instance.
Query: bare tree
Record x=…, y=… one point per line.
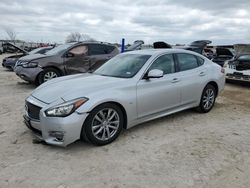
x=11, y=33
x=77, y=37
x=86, y=37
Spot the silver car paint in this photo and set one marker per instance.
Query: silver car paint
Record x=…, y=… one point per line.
x=142, y=100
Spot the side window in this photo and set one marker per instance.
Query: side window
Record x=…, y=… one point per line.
x=186, y=61
x=109, y=49
x=164, y=63
x=97, y=49
x=79, y=50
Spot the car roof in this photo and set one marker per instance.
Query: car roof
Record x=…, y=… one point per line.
x=94, y=42
x=45, y=47
x=160, y=51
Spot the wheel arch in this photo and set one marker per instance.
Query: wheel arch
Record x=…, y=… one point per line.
x=46, y=67
x=120, y=106
x=215, y=85
x=54, y=67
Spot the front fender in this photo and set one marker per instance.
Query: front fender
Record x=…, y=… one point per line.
x=127, y=99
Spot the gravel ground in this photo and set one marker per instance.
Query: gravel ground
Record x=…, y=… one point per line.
x=186, y=149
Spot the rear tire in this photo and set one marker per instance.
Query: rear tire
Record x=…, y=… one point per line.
x=207, y=99
x=103, y=125
x=47, y=74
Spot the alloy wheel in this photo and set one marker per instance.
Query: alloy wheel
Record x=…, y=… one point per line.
x=49, y=75
x=105, y=124
x=208, y=99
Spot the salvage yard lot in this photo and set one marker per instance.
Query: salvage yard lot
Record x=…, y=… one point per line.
x=186, y=149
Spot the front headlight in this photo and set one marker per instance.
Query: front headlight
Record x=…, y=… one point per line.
x=30, y=64
x=65, y=109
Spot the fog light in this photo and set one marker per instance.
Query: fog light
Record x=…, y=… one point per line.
x=59, y=135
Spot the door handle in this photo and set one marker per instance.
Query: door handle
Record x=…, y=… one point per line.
x=202, y=74
x=175, y=80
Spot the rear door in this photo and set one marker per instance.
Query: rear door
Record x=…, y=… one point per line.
x=99, y=54
x=77, y=60
x=193, y=74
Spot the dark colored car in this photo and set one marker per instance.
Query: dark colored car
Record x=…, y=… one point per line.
x=9, y=62
x=222, y=55
x=66, y=59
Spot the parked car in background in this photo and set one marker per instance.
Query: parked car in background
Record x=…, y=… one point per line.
x=222, y=55
x=198, y=46
x=238, y=68
x=9, y=62
x=129, y=89
x=69, y=58
x=136, y=46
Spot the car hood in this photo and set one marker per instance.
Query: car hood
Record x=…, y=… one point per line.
x=32, y=57
x=201, y=43
x=161, y=44
x=137, y=45
x=14, y=56
x=74, y=86
x=20, y=49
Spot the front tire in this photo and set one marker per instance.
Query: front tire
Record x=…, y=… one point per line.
x=207, y=99
x=103, y=125
x=47, y=74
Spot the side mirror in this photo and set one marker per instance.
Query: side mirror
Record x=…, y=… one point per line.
x=69, y=54
x=155, y=73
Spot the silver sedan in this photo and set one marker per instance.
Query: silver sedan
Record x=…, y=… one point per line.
x=129, y=89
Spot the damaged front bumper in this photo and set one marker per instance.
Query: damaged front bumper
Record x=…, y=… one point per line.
x=60, y=131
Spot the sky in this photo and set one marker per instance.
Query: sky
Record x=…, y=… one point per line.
x=172, y=21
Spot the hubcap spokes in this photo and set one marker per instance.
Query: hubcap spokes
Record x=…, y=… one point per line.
x=49, y=76
x=105, y=124
x=208, y=99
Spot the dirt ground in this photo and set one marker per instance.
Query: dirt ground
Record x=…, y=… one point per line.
x=186, y=149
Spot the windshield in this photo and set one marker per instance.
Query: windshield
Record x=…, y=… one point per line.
x=123, y=65
x=244, y=58
x=58, y=49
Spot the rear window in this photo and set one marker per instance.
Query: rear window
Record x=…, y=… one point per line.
x=110, y=49
x=187, y=61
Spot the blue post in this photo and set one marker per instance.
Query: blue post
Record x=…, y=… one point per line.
x=123, y=45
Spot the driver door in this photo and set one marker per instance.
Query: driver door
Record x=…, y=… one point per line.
x=77, y=60
x=157, y=95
